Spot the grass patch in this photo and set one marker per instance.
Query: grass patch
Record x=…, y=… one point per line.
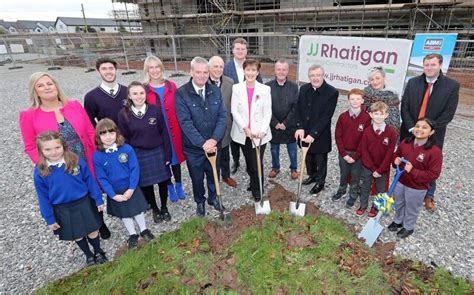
x=282, y=254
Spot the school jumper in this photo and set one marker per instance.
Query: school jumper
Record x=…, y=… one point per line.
x=100, y=104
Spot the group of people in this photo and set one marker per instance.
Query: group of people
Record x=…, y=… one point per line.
x=127, y=139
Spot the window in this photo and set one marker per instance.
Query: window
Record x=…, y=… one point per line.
x=102, y=29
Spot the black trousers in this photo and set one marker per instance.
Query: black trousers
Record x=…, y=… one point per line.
x=251, y=162
x=317, y=167
x=224, y=160
x=149, y=193
x=235, y=150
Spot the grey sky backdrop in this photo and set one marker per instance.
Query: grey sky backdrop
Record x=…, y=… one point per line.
x=12, y=10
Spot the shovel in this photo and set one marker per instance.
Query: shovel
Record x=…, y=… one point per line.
x=262, y=207
x=297, y=208
x=373, y=228
x=212, y=156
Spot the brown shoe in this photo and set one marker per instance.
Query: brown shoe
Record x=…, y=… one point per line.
x=230, y=182
x=273, y=173
x=430, y=204
x=294, y=174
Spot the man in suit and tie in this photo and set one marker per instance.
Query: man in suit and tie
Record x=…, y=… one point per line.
x=430, y=95
x=234, y=70
x=216, y=77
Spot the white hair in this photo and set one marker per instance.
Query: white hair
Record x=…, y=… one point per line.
x=198, y=60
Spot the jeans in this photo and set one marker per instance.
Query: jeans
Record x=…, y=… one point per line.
x=292, y=153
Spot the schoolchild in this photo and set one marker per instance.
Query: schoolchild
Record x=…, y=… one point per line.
x=143, y=127
x=69, y=198
x=376, y=151
x=349, y=129
x=424, y=161
x=118, y=173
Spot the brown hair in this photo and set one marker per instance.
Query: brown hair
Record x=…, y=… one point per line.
x=379, y=106
x=129, y=103
x=251, y=62
x=70, y=158
x=104, y=125
x=104, y=60
x=355, y=91
x=434, y=55
x=239, y=41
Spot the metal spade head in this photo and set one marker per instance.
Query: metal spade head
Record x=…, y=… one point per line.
x=262, y=207
x=297, y=209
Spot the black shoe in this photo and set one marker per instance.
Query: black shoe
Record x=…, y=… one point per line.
x=216, y=205
x=235, y=167
x=403, y=233
x=165, y=214
x=394, y=226
x=157, y=216
x=257, y=198
x=132, y=242
x=90, y=261
x=337, y=196
x=201, y=209
x=147, y=235
x=104, y=231
x=249, y=189
x=308, y=180
x=350, y=201
x=316, y=188
x=100, y=257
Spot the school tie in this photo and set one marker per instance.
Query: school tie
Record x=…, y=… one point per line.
x=111, y=92
x=201, y=94
x=140, y=114
x=424, y=104
x=378, y=131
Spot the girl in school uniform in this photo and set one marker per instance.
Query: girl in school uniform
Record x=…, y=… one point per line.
x=424, y=166
x=68, y=196
x=117, y=171
x=143, y=127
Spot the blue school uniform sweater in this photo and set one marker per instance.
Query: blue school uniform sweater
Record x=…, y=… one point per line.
x=117, y=171
x=61, y=187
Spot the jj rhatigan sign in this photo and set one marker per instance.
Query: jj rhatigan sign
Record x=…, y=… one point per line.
x=347, y=60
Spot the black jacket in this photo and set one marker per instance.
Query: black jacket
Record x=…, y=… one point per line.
x=314, y=112
x=441, y=107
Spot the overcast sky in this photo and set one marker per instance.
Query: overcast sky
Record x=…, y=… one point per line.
x=12, y=10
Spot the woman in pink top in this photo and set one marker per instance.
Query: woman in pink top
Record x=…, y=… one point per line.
x=51, y=111
x=251, y=106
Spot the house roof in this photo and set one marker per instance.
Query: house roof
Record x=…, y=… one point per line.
x=99, y=22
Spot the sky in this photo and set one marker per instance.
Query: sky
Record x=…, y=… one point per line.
x=13, y=10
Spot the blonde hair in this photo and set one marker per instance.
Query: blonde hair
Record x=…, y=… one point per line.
x=34, y=98
x=70, y=158
x=379, y=106
x=146, y=67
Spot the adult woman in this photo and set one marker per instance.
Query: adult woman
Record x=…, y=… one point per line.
x=161, y=92
x=252, y=111
x=377, y=91
x=51, y=111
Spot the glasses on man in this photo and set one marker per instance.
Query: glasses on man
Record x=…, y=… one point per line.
x=106, y=131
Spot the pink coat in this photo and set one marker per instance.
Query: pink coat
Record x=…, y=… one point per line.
x=173, y=125
x=33, y=121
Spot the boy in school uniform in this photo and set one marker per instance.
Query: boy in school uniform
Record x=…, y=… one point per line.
x=350, y=127
x=376, y=149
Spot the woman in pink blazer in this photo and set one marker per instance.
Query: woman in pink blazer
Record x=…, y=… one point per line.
x=51, y=111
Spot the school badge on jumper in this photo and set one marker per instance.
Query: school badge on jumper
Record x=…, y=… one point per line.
x=123, y=158
x=360, y=128
x=386, y=141
x=420, y=157
x=76, y=170
x=152, y=121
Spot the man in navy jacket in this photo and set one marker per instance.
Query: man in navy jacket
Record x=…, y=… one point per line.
x=202, y=116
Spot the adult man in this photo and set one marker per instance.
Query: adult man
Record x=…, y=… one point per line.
x=106, y=100
x=434, y=96
x=234, y=70
x=284, y=98
x=216, y=69
x=317, y=101
x=202, y=116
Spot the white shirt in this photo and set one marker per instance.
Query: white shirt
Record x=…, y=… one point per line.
x=240, y=70
x=381, y=127
x=59, y=163
x=197, y=88
x=432, y=81
x=107, y=88
x=142, y=109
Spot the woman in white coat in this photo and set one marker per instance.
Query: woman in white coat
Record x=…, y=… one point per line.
x=251, y=111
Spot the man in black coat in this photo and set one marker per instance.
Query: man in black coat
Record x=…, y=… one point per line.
x=434, y=96
x=284, y=98
x=317, y=101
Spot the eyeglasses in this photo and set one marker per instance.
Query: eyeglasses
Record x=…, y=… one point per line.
x=106, y=131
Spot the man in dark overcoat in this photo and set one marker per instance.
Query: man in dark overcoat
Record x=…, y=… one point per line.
x=317, y=101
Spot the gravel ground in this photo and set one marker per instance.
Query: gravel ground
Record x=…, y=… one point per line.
x=30, y=255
